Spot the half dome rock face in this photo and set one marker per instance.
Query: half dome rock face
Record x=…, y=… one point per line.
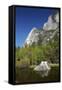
x=32, y=37
x=52, y=23
x=44, y=35
x=57, y=17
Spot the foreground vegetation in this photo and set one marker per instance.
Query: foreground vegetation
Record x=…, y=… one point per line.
x=27, y=58
x=34, y=54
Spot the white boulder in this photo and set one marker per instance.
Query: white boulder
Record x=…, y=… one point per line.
x=44, y=66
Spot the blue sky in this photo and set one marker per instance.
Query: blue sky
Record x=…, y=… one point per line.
x=27, y=18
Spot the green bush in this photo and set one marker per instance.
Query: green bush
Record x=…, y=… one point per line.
x=37, y=53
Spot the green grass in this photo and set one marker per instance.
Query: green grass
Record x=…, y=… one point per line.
x=19, y=63
x=33, y=55
x=54, y=65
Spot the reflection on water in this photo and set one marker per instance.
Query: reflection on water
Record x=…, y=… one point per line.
x=43, y=73
x=43, y=69
x=30, y=75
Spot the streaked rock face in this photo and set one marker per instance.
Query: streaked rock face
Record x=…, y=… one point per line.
x=50, y=29
x=32, y=37
x=57, y=18
x=52, y=22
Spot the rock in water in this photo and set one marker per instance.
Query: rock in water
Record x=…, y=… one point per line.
x=43, y=66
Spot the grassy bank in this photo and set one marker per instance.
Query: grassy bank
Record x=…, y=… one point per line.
x=54, y=65
x=33, y=66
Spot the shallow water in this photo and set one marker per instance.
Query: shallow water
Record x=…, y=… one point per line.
x=28, y=75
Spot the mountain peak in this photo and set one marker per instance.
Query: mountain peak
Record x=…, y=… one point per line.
x=43, y=36
x=32, y=36
x=52, y=22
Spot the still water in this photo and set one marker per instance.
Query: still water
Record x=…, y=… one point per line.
x=28, y=75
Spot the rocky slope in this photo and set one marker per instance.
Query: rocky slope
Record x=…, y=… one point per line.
x=43, y=36
x=52, y=23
